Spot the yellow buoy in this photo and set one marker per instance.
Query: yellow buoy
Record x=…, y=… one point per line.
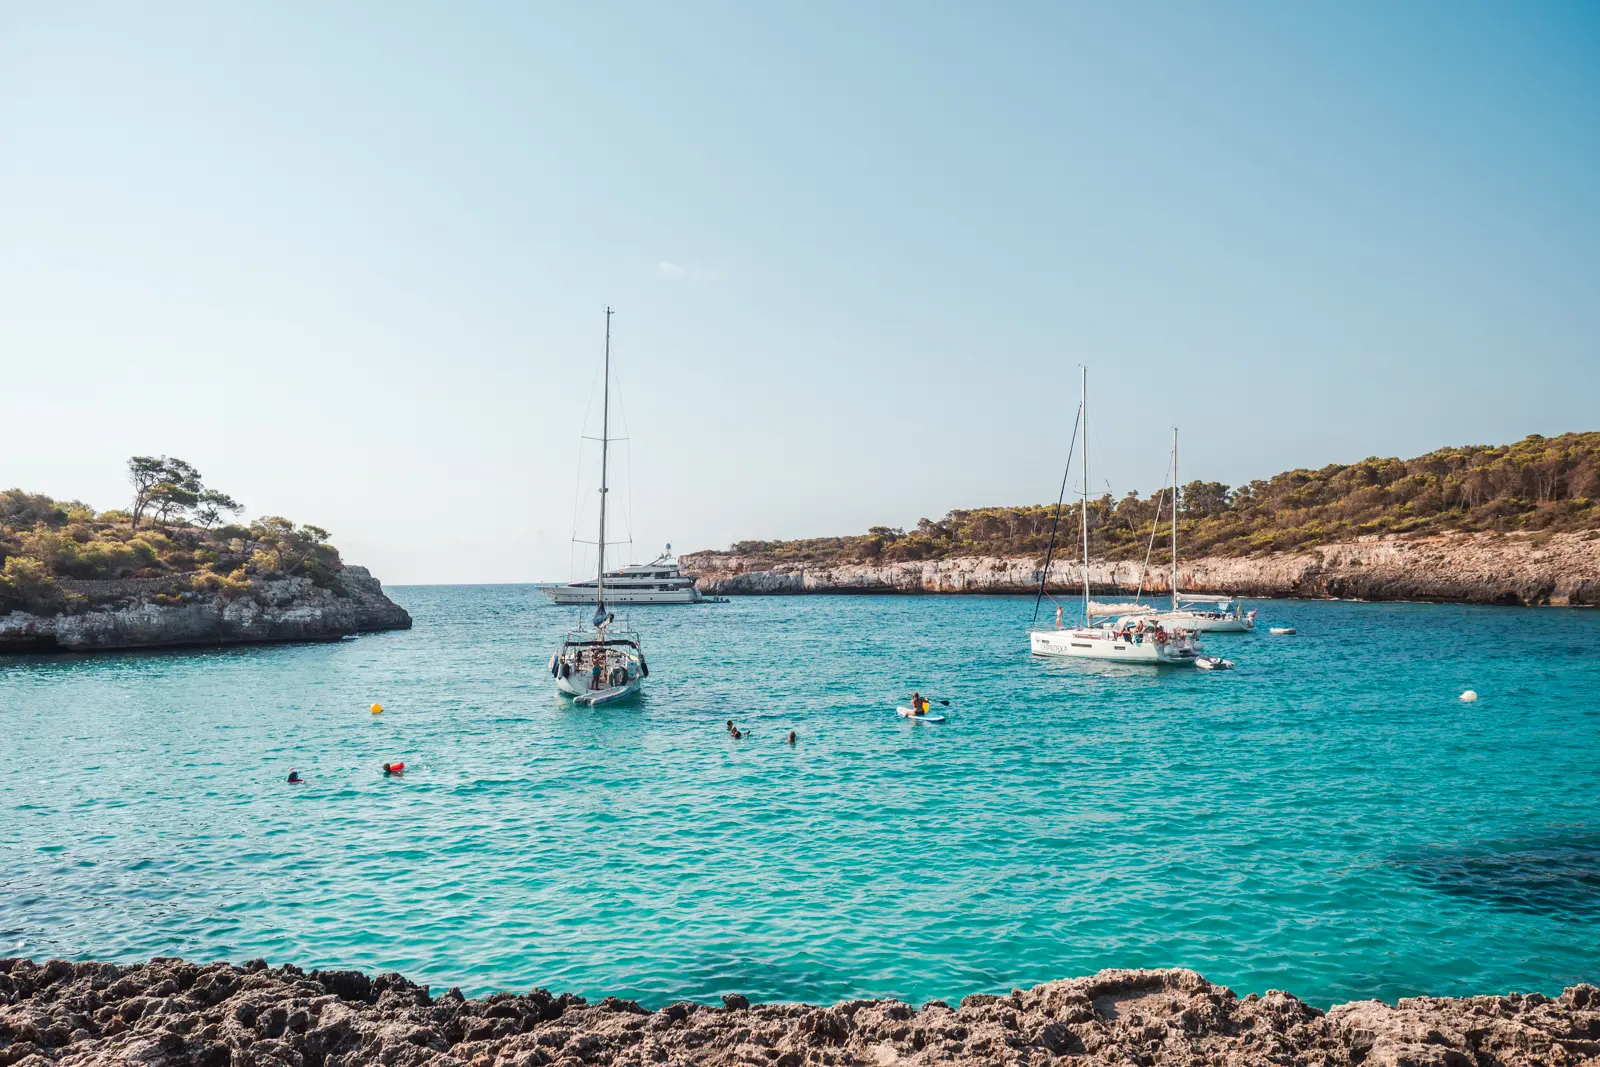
x=1470, y=695
x=377, y=709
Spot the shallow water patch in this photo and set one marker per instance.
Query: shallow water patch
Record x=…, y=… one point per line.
x=1555, y=875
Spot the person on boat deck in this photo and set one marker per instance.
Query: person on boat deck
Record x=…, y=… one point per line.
x=1058, y=616
x=919, y=704
x=598, y=671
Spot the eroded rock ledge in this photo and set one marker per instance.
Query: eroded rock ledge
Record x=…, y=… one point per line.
x=164, y=612
x=1474, y=569
x=169, y=1013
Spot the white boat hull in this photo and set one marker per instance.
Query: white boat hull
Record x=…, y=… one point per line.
x=1102, y=644
x=1225, y=624
x=577, y=687
x=569, y=594
x=621, y=675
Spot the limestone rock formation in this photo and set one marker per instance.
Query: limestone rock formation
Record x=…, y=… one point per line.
x=169, y=1013
x=1481, y=569
x=149, y=613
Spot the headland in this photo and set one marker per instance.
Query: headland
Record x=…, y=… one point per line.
x=169, y=572
x=169, y=1013
x=1506, y=524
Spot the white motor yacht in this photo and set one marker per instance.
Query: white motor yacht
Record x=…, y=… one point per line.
x=658, y=582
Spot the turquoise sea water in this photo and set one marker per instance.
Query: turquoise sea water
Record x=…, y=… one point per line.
x=1328, y=818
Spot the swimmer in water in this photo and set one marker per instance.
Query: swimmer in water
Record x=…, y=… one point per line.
x=730, y=726
x=392, y=769
x=737, y=736
x=294, y=777
x=791, y=737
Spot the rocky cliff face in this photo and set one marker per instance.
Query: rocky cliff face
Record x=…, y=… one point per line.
x=165, y=612
x=169, y=1013
x=1480, y=569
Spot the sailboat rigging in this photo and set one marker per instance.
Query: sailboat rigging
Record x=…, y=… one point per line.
x=1186, y=610
x=1049, y=552
x=607, y=665
x=1134, y=637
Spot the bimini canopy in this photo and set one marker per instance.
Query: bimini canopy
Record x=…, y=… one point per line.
x=1204, y=598
x=583, y=639
x=1101, y=611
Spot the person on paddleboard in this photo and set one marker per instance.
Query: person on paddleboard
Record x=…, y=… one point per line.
x=919, y=704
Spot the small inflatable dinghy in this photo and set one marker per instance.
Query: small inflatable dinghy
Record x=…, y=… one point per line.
x=1213, y=663
x=1282, y=630
x=907, y=713
x=596, y=697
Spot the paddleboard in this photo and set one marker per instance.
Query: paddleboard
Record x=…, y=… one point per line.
x=1282, y=629
x=907, y=713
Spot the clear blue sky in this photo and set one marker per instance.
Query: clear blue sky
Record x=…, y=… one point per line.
x=351, y=259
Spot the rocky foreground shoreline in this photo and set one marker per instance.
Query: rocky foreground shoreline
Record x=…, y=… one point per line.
x=169, y=1013
x=1559, y=569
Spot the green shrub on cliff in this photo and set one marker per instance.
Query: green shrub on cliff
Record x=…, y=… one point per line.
x=25, y=582
x=1548, y=484
x=42, y=540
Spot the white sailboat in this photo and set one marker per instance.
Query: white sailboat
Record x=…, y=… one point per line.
x=604, y=664
x=1122, y=632
x=1226, y=615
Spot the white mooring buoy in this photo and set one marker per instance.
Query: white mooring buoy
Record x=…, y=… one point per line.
x=1470, y=695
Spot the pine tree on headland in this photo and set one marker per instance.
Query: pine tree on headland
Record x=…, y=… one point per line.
x=170, y=488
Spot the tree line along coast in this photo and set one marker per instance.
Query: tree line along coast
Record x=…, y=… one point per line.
x=1503, y=524
x=1512, y=523
x=1538, y=485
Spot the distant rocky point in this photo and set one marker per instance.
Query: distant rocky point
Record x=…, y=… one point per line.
x=169, y=1013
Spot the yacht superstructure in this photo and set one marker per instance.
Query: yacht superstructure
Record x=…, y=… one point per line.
x=658, y=582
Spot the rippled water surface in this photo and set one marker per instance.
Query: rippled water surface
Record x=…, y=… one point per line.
x=1328, y=818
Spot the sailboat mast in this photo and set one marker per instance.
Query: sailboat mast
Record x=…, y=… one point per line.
x=1174, y=518
x=1083, y=399
x=605, y=444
